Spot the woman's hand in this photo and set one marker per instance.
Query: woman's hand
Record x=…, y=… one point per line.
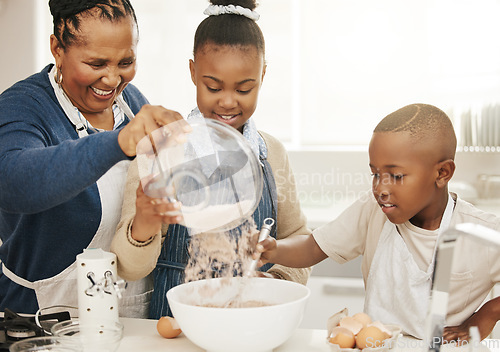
x=148, y=119
x=151, y=213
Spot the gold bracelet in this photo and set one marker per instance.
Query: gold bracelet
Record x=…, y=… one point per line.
x=136, y=243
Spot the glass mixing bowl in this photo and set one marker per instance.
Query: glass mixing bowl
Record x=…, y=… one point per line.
x=89, y=337
x=43, y=344
x=212, y=171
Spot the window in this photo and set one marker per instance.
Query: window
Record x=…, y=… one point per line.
x=336, y=67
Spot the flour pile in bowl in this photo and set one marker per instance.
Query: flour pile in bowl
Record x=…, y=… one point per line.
x=224, y=254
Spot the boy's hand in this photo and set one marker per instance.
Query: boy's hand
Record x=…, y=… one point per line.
x=151, y=213
x=294, y=251
x=485, y=319
x=267, y=249
x=460, y=333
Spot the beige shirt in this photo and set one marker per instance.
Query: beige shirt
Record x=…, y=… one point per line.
x=476, y=268
x=138, y=259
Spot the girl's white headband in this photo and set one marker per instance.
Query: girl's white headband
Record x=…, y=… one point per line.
x=216, y=10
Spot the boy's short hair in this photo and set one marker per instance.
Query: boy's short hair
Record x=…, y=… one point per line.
x=425, y=123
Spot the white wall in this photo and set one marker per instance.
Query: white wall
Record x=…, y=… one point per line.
x=332, y=74
x=329, y=180
x=333, y=177
x=17, y=20
x=24, y=39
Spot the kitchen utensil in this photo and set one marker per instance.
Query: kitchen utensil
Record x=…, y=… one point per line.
x=43, y=344
x=102, y=337
x=213, y=172
x=437, y=311
x=98, y=286
x=195, y=306
x=264, y=232
x=162, y=175
x=223, y=164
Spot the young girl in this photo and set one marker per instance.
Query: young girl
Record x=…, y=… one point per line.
x=227, y=69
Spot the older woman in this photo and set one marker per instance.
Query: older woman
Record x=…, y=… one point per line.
x=67, y=135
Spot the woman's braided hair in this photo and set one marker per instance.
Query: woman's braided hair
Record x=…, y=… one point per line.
x=67, y=15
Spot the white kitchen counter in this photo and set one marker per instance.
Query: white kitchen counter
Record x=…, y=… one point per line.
x=141, y=335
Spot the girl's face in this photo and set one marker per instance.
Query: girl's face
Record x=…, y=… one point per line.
x=228, y=80
x=96, y=69
x=404, y=180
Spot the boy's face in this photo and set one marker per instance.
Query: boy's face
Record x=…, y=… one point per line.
x=404, y=179
x=228, y=80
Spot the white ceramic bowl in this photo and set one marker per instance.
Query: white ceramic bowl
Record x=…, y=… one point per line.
x=89, y=337
x=255, y=329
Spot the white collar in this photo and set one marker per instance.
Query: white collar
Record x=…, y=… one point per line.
x=76, y=118
x=250, y=133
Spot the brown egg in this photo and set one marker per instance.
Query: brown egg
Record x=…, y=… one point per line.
x=382, y=327
x=363, y=318
x=342, y=337
x=351, y=324
x=168, y=327
x=370, y=336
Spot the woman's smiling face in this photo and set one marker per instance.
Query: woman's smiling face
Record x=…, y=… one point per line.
x=96, y=69
x=228, y=80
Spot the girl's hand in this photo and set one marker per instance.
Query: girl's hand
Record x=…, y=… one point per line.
x=148, y=119
x=151, y=213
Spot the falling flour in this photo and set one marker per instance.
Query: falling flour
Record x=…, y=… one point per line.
x=237, y=304
x=223, y=255
x=215, y=216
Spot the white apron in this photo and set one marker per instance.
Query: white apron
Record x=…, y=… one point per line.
x=61, y=289
x=397, y=290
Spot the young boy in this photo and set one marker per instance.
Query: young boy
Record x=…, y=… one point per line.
x=396, y=228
